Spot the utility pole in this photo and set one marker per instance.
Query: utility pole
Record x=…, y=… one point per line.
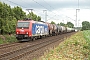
x=29, y=12
x=45, y=15
x=76, y=17
x=76, y=22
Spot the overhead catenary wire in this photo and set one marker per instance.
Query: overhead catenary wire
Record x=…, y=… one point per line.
x=55, y=13
x=48, y=4
x=16, y=4
x=40, y=5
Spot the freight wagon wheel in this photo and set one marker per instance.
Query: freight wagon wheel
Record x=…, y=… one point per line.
x=34, y=38
x=44, y=36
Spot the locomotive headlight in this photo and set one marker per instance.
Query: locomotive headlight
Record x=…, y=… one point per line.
x=26, y=32
x=17, y=32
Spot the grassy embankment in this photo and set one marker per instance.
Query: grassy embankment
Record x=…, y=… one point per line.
x=77, y=47
x=7, y=39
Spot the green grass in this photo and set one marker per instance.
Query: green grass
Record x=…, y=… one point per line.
x=87, y=38
x=74, y=48
x=1, y=41
x=7, y=39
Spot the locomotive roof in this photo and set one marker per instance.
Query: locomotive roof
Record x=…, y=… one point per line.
x=32, y=21
x=25, y=20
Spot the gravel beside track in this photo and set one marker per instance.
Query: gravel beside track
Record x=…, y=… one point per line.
x=26, y=50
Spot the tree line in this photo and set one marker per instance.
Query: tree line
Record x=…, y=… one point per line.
x=9, y=17
x=69, y=24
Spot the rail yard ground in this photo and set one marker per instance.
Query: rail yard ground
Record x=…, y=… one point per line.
x=77, y=47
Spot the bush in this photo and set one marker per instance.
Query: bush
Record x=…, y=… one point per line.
x=8, y=39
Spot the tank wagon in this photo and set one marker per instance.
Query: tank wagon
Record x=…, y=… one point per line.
x=30, y=30
x=63, y=29
x=50, y=28
x=55, y=29
x=70, y=30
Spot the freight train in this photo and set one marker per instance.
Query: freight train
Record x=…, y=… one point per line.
x=29, y=29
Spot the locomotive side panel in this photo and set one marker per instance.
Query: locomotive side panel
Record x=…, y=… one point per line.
x=39, y=29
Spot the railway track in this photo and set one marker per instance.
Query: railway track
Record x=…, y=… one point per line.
x=24, y=51
x=2, y=46
x=15, y=47
x=19, y=53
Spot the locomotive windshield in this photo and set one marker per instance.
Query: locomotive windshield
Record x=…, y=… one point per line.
x=23, y=24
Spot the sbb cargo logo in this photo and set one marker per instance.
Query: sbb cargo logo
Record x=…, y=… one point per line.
x=39, y=29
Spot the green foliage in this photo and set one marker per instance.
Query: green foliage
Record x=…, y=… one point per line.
x=38, y=18
x=1, y=41
x=69, y=24
x=86, y=34
x=19, y=13
x=62, y=24
x=7, y=39
x=85, y=25
x=34, y=16
x=52, y=22
x=10, y=39
x=9, y=17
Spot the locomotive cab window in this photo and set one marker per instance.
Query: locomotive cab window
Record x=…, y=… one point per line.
x=24, y=25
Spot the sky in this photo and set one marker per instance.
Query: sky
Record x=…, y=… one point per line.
x=56, y=10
